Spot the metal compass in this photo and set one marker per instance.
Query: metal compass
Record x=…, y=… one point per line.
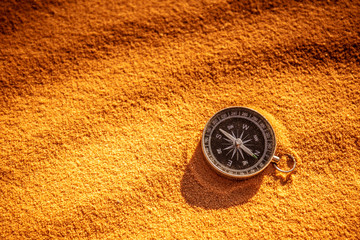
x=239, y=143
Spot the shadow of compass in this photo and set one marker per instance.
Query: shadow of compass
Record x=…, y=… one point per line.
x=202, y=187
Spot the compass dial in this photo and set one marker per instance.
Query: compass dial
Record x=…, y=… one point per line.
x=238, y=142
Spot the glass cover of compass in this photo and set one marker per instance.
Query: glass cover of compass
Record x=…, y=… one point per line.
x=238, y=142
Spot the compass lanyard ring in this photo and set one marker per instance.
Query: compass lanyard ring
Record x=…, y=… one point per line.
x=276, y=160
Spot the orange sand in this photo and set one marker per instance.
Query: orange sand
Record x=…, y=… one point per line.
x=103, y=104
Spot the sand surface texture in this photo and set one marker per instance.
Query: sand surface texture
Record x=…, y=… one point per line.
x=103, y=103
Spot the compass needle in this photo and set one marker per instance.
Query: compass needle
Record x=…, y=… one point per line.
x=228, y=135
x=248, y=151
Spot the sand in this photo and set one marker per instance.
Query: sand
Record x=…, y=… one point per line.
x=103, y=103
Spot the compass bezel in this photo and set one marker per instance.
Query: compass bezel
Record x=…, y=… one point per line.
x=261, y=163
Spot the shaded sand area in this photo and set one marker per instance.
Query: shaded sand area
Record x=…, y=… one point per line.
x=103, y=103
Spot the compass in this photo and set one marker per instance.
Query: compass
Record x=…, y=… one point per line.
x=239, y=142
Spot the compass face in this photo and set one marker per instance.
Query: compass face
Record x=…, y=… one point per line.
x=238, y=142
